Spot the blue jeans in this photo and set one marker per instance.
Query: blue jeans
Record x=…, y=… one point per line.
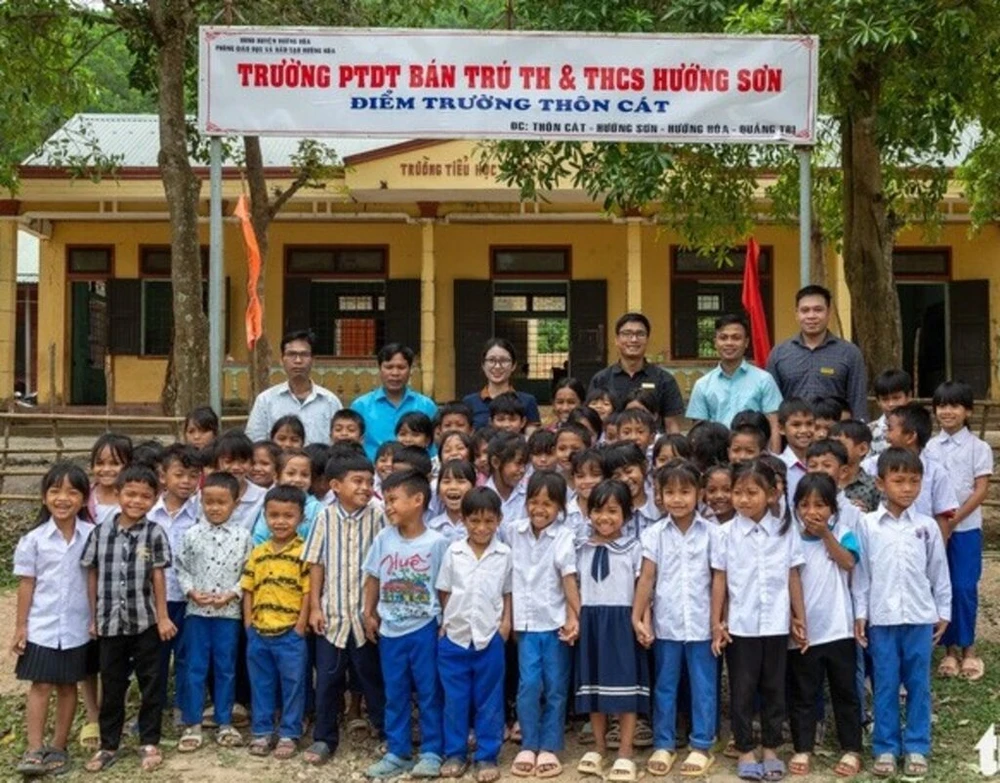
x=902, y=654
x=543, y=662
x=702, y=668
x=176, y=610
x=210, y=642
x=277, y=663
x=332, y=665
x=409, y=663
x=965, y=564
x=473, y=682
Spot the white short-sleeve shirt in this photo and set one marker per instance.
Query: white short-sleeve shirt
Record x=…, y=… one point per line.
x=964, y=458
x=682, y=597
x=540, y=563
x=476, y=587
x=451, y=530
x=643, y=518
x=825, y=585
x=757, y=559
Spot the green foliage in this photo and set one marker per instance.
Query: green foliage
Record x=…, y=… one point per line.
x=553, y=335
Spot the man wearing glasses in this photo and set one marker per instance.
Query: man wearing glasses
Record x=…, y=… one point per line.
x=298, y=396
x=632, y=371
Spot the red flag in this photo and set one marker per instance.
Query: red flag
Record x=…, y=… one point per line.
x=254, y=317
x=754, y=305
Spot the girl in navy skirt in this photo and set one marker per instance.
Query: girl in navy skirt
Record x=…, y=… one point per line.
x=52, y=634
x=612, y=671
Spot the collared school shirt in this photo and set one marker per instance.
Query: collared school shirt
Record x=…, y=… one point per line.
x=718, y=397
x=249, y=506
x=642, y=518
x=515, y=505
x=608, y=571
x=451, y=530
x=964, y=458
x=902, y=576
x=539, y=567
x=834, y=368
x=279, y=582
x=125, y=559
x=757, y=559
x=59, y=617
x=315, y=411
x=937, y=492
x=825, y=585
x=796, y=470
x=381, y=414
x=682, y=595
x=176, y=525
x=339, y=542
x=476, y=587
x=863, y=489
x=211, y=560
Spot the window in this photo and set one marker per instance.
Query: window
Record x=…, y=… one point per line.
x=921, y=262
x=92, y=261
x=545, y=261
x=340, y=294
x=157, y=299
x=703, y=288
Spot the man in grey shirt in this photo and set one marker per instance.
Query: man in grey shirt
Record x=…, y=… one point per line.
x=816, y=363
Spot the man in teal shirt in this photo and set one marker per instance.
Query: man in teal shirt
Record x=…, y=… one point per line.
x=384, y=406
x=734, y=385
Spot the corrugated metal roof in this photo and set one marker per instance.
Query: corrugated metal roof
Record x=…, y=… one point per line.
x=136, y=139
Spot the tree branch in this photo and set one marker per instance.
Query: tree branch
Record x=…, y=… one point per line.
x=282, y=198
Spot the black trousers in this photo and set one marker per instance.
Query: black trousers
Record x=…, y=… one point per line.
x=837, y=661
x=119, y=656
x=332, y=666
x=757, y=666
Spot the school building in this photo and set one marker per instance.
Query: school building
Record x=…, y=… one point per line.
x=416, y=241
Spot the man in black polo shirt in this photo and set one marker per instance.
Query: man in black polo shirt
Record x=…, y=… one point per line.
x=632, y=371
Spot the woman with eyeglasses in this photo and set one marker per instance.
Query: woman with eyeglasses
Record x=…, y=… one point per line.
x=499, y=363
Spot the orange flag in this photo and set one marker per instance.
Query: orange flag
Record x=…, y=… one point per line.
x=254, y=320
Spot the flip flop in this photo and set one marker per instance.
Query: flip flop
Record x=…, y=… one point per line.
x=623, y=771
x=948, y=667
x=661, y=762
x=592, y=763
x=549, y=760
x=697, y=763
x=523, y=765
x=973, y=669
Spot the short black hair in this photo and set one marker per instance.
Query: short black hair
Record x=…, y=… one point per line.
x=188, y=457
x=709, y=444
x=287, y=455
x=505, y=447
x=148, y=453
x=600, y=394
x=299, y=334
x=388, y=447
x=827, y=408
x=458, y=468
x=819, y=484
x=612, y=488
x=894, y=381
x=679, y=444
x=637, y=416
x=349, y=414
x=203, y=418
x=319, y=455
x=791, y=406
x=227, y=481
x=623, y=455
x=417, y=422
x=896, y=460
x=542, y=442
x=749, y=429
x=588, y=457
x=776, y=464
x=632, y=317
x=585, y=413
x=480, y=499
x=813, y=290
x=232, y=444
x=732, y=319
x=578, y=429
x=754, y=419
x=411, y=481
x=138, y=474
x=119, y=445
x=292, y=422
x=682, y=471
x=338, y=466
x=854, y=430
x=573, y=384
x=499, y=342
x=508, y=403
x=283, y=493
x=453, y=408
x=553, y=483
x=387, y=351
x=647, y=398
x=914, y=417
x=954, y=393
x=272, y=449
x=416, y=457
x=821, y=448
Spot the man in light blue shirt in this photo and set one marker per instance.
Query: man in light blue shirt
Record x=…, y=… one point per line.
x=384, y=406
x=734, y=385
x=298, y=396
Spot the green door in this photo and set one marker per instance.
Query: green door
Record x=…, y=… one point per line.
x=89, y=339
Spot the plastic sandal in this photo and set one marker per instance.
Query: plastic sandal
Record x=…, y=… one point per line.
x=285, y=749
x=389, y=766
x=190, y=740
x=948, y=667
x=523, y=765
x=592, y=763
x=623, y=771
x=228, y=737
x=697, y=763
x=848, y=766
x=774, y=769
x=661, y=762
x=261, y=746
x=317, y=754
x=585, y=736
x=56, y=761
x=90, y=736
x=101, y=760
x=643, y=734
x=915, y=766
x=150, y=758
x=613, y=736
x=548, y=765
x=973, y=669
x=750, y=770
x=428, y=766
x=885, y=765
x=454, y=767
x=799, y=764
x=32, y=763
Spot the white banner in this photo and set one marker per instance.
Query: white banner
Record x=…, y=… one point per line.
x=455, y=84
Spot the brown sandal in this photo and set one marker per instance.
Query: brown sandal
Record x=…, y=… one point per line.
x=285, y=749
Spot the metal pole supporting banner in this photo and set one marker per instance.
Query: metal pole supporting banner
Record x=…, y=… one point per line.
x=805, y=215
x=216, y=310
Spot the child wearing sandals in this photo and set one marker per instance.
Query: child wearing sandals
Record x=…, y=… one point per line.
x=612, y=671
x=546, y=606
x=51, y=636
x=830, y=549
x=677, y=577
x=902, y=593
x=474, y=585
x=209, y=566
x=756, y=572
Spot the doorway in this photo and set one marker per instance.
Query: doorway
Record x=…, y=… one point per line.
x=89, y=342
x=923, y=309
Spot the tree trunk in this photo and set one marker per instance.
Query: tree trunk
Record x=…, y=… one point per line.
x=187, y=384
x=868, y=235
x=260, y=217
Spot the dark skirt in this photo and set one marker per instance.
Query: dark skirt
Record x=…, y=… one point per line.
x=58, y=667
x=612, y=670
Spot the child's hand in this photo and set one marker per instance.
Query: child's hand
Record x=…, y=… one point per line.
x=859, y=633
x=220, y=601
x=945, y=526
x=317, y=622
x=570, y=630
x=642, y=634
x=720, y=638
x=939, y=628
x=20, y=641
x=815, y=529
x=166, y=628
x=799, y=635
x=301, y=628
x=200, y=598
x=371, y=627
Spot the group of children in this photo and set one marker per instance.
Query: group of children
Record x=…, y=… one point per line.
x=508, y=585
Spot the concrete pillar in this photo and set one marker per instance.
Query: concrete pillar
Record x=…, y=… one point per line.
x=428, y=301
x=8, y=306
x=633, y=264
